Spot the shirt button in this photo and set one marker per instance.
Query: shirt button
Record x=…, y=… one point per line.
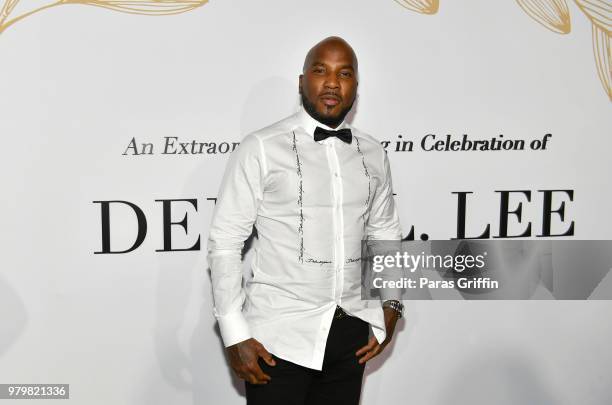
x=336, y=174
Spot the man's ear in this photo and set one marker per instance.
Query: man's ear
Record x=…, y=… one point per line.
x=300, y=84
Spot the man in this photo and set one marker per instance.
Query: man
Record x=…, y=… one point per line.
x=314, y=188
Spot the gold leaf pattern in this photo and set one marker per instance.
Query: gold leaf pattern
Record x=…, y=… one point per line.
x=600, y=14
x=603, y=57
x=145, y=7
x=7, y=8
x=552, y=14
x=421, y=6
x=598, y=11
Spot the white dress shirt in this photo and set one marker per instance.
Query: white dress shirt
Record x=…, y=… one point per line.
x=312, y=204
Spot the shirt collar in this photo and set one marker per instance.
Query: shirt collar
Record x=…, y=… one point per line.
x=309, y=124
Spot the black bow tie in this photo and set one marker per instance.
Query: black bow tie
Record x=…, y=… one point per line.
x=343, y=134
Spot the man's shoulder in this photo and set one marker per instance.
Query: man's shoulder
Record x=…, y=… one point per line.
x=367, y=139
x=281, y=127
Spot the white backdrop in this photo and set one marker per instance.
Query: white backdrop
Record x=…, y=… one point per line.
x=78, y=83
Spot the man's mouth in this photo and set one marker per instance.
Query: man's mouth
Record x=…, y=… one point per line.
x=330, y=99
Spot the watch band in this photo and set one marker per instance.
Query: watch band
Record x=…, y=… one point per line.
x=395, y=305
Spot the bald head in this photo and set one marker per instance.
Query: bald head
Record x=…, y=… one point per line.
x=326, y=45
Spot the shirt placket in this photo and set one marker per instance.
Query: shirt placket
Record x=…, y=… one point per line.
x=338, y=220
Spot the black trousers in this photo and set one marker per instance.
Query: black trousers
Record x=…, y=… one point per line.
x=339, y=383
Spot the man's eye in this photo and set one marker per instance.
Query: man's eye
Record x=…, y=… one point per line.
x=318, y=70
x=346, y=74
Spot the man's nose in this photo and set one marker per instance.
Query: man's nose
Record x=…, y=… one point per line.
x=331, y=81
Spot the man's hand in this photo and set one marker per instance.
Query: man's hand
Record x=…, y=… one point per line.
x=373, y=348
x=243, y=358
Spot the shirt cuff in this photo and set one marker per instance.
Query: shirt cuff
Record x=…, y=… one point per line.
x=387, y=294
x=385, y=236
x=234, y=328
x=380, y=334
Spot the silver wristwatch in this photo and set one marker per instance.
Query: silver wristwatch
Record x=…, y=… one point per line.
x=395, y=305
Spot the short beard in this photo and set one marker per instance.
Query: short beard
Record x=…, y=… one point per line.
x=332, y=122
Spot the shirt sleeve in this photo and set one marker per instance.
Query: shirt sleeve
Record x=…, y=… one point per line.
x=233, y=217
x=383, y=230
x=383, y=222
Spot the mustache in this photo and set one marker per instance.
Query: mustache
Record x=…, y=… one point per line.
x=332, y=94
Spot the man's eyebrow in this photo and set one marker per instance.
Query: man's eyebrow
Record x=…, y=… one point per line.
x=319, y=63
